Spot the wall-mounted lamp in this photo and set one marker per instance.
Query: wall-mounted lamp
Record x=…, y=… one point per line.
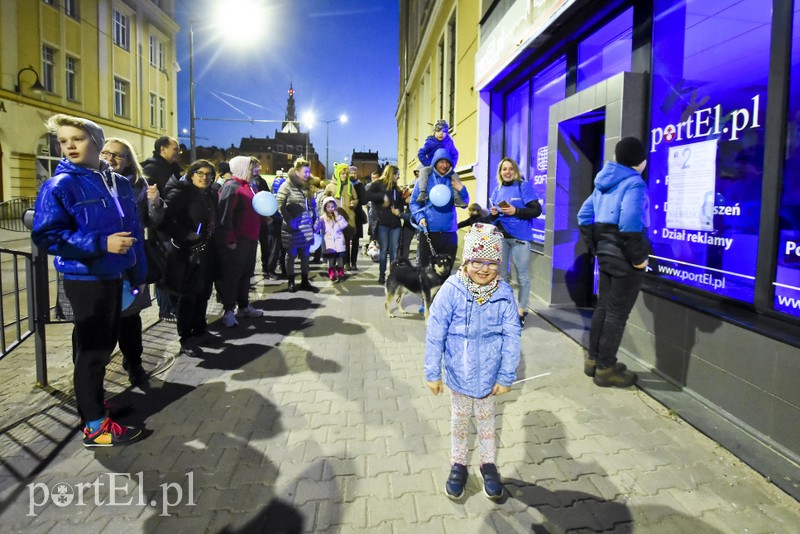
x=36, y=86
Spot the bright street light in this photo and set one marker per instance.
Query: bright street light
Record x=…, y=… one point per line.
x=246, y=16
x=342, y=118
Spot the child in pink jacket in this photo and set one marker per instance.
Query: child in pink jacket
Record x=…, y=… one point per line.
x=332, y=225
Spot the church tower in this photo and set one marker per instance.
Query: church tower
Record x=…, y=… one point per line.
x=291, y=114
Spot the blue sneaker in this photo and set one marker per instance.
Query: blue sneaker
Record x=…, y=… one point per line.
x=456, y=481
x=492, y=486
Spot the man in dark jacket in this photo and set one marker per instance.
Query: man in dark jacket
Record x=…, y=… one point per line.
x=613, y=222
x=158, y=170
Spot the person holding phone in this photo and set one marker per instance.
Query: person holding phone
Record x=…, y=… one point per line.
x=513, y=205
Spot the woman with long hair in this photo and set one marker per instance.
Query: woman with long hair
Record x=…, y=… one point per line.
x=122, y=158
x=513, y=205
x=388, y=203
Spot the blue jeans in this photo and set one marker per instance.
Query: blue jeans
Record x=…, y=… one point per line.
x=388, y=240
x=520, y=254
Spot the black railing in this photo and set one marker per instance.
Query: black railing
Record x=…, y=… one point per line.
x=16, y=299
x=11, y=213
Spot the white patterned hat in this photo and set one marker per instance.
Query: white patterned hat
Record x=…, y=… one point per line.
x=483, y=242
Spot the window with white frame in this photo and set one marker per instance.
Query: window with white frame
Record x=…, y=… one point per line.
x=153, y=53
x=49, y=68
x=162, y=113
x=153, y=98
x=121, y=31
x=451, y=50
x=161, y=55
x=71, y=78
x=121, y=97
x=440, y=68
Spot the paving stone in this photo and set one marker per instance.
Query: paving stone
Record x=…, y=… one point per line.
x=382, y=510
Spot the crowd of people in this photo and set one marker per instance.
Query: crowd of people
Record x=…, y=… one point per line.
x=115, y=226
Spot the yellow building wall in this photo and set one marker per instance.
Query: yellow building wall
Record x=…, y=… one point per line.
x=25, y=25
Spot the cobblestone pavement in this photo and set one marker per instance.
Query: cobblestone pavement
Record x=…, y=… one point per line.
x=315, y=418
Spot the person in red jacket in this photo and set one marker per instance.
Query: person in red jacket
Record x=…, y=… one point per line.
x=240, y=226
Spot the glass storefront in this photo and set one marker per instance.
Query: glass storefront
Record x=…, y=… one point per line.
x=707, y=141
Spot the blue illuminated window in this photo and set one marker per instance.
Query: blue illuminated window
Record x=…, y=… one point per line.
x=606, y=52
x=787, y=274
x=709, y=98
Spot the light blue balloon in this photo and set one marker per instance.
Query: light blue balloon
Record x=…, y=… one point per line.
x=127, y=297
x=265, y=203
x=440, y=195
x=316, y=244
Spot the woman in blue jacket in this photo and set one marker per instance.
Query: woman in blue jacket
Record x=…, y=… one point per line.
x=474, y=333
x=613, y=222
x=513, y=204
x=86, y=216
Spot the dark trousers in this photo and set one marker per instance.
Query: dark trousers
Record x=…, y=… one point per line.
x=265, y=240
x=443, y=243
x=617, y=295
x=351, y=251
x=130, y=339
x=96, y=308
x=294, y=253
x=406, y=236
x=167, y=302
x=192, y=315
x=237, y=267
x=277, y=255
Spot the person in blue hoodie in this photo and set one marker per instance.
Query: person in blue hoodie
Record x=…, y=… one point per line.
x=439, y=222
x=86, y=216
x=473, y=332
x=613, y=222
x=440, y=139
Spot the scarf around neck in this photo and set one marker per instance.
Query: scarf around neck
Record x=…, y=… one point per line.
x=480, y=293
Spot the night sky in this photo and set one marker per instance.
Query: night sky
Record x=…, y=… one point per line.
x=340, y=55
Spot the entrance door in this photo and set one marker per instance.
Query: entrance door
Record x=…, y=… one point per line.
x=580, y=156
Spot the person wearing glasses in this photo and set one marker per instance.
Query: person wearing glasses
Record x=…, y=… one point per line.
x=239, y=227
x=121, y=157
x=190, y=223
x=86, y=217
x=473, y=332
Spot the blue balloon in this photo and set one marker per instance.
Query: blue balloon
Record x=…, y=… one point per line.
x=127, y=296
x=265, y=203
x=440, y=195
x=316, y=244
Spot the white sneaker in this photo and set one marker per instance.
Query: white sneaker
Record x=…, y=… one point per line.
x=249, y=311
x=229, y=319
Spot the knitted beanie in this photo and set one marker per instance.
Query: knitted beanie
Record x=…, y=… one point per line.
x=630, y=152
x=442, y=125
x=483, y=242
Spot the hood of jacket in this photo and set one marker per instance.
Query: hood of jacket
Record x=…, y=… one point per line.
x=441, y=154
x=328, y=199
x=611, y=175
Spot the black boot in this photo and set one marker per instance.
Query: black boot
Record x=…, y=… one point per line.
x=612, y=377
x=292, y=287
x=305, y=285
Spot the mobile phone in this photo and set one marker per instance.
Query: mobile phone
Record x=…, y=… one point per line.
x=503, y=204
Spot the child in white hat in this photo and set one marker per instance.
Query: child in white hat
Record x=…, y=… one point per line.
x=474, y=333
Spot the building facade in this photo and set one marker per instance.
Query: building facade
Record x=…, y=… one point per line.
x=712, y=88
x=111, y=61
x=438, y=43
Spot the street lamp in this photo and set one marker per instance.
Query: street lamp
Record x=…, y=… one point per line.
x=244, y=14
x=343, y=119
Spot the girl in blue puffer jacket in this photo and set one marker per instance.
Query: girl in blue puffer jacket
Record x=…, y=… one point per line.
x=474, y=331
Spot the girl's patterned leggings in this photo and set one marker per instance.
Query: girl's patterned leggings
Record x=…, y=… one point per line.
x=462, y=408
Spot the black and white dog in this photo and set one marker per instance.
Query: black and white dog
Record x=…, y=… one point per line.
x=407, y=278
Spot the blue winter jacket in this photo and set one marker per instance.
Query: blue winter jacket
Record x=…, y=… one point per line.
x=428, y=151
x=74, y=216
x=615, y=217
x=439, y=218
x=479, y=344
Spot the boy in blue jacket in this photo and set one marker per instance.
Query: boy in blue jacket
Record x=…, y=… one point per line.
x=86, y=216
x=474, y=332
x=613, y=222
x=440, y=139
